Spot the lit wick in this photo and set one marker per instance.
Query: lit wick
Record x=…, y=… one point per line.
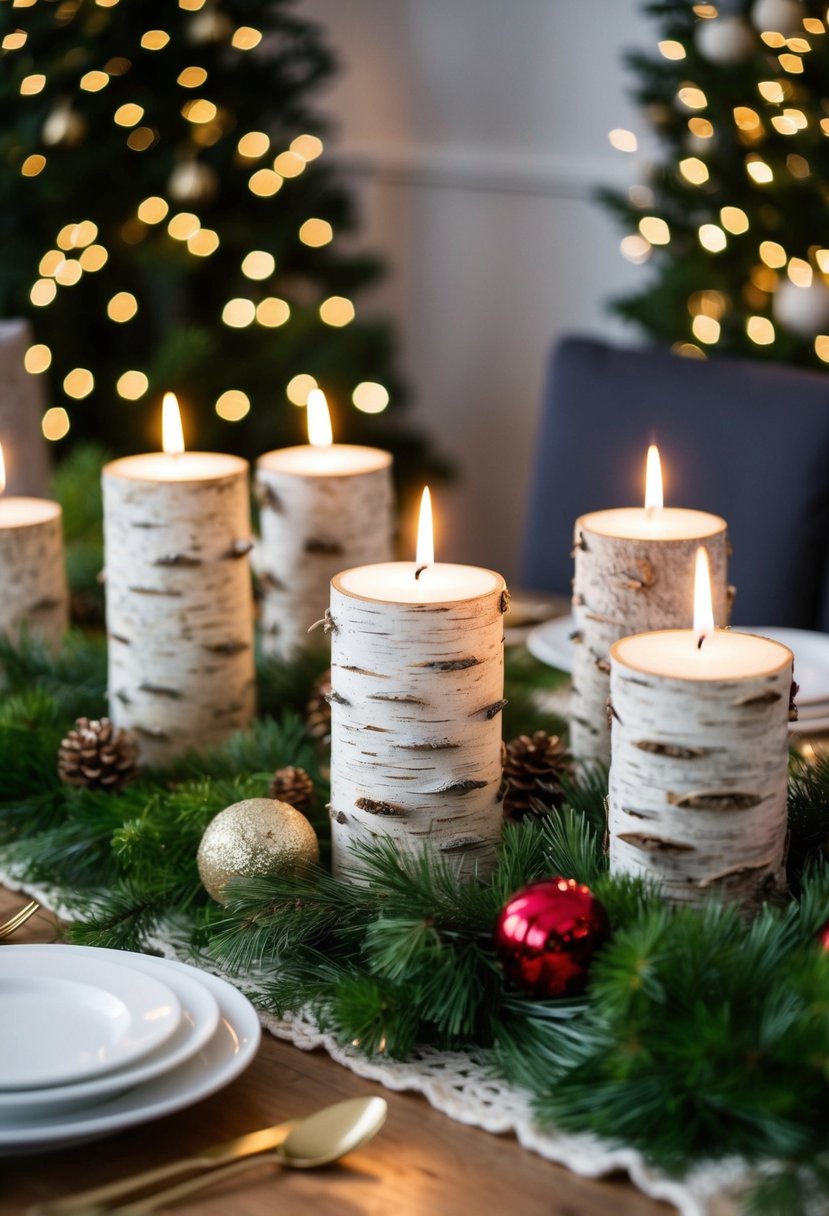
x=425, y=537
x=653, y=482
x=703, y=603
x=172, y=435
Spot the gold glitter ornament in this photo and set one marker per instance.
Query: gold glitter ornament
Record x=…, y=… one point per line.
x=254, y=838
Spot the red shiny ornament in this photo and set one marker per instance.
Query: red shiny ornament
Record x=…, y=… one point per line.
x=547, y=934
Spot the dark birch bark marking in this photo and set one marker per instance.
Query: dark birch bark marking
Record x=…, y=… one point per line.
x=159, y=591
x=177, y=559
x=239, y=549
x=654, y=844
x=395, y=700
x=442, y=745
x=462, y=787
x=669, y=749
x=449, y=664
x=379, y=808
x=226, y=648
x=728, y=800
x=158, y=690
x=323, y=548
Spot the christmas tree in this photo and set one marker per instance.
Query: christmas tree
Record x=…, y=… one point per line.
x=733, y=219
x=167, y=223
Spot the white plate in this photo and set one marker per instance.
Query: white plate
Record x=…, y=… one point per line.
x=66, y=1018
x=199, y=1019
x=228, y=1053
x=551, y=643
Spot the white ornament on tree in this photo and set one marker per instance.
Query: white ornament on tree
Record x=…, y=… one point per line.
x=803, y=310
x=781, y=16
x=725, y=40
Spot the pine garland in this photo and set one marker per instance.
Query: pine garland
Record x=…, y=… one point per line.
x=699, y=1036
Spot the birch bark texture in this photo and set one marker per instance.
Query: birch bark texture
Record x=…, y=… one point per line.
x=698, y=780
x=417, y=695
x=179, y=601
x=313, y=525
x=625, y=585
x=34, y=596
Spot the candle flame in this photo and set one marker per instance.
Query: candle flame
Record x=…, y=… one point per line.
x=425, y=533
x=703, y=604
x=172, y=435
x=320, y=434
x=653, y=480
x=2, y=470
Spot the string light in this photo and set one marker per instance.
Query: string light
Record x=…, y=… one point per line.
x=246, y=38
x=265, y=183
x=309, y=147
x=800, y=272
x=30, y=85
x=239, y=312
x=129, y=114
x=635, y=248
x=233, y=405
x=655, y=230
x=69, y=272
x=822, y=347
x=14, y=41
x=183, y=225
x=94, y=258
x=708, y=303
x=298, y=388
x=759, y=171
x=258, y=264
x=790, y=63
x=671, y=49
x=191, y=78
x=764, y=279
x=813, y=25
x=370, y=397
x=688, y=350
x=38, y=358
x=93, y=82
x=272, y=312
x=288, y=164
x=50, y=261
x=772, y=254
x=734, y=220
x=798, y=166
x=694, y=170
x=822, y=259
x=772, y=90
x=33, y=165
x=760, y=330
x=132, y=385
x=205, y=242
x=747, y=119
x=712, y=238
x=316, y=232
x=55, y=423
x=706, y=329
x=773, y=39
x=141, y=139
x=79, y=383
x=200, y=110
x=783, y=125
x=253, y=145
x=336, y=311
x=623, y=140
x=154, y=40
x=153, y=209
x=701, y=127
x=43, y=292
x=692, y=97
x=122, y=307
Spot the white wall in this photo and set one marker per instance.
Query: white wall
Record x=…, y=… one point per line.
x=473, y=131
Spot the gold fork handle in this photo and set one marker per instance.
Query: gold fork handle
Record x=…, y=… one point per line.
x=170, y=1194
x=85, y=1202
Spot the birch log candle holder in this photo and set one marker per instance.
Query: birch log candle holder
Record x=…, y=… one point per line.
x=698, y=778
x=323, y=507
x=179, y=597
x=417, y=673
x=633, y=573
x=34, y=598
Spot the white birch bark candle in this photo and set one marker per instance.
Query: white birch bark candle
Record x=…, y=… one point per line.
x=417, y=673
x=34, y=599
x=633, y=574
x=179, y=597
x=323, y=507
x=698, y=779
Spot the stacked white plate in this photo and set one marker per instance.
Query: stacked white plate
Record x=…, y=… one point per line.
x=552, y=644
x=93, y=1041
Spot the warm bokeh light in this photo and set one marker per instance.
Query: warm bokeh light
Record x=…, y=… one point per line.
x=336, y=311
x=132, y=385
x=272, y=312
x=122, y=307
x=14, y=41
x=760, y=330
x=772, y=90
x=258, y=264
x=712, y=238
x=233, y=405
x=425, y=552
x=635, y=248
x=734, y=219
x=320, y=434
x=706, y=329
x=309, y=147
x=822, y=347
x=43, y=292
x=153, y=209
x=655, y=230
x=203, y=243
x=50, y=261
x=694, y=170
x=265, y=183
x=671, y=49
x=654, y=498
x=800, y=272
x=154, y=40
x=93, y=82
x=128, y=114
x=245, y=38
x=191, y=78
x=692, y=97
x=141, y=139
x=78, y=383
x=316, y=232
x=701, y=127
x=183, y=225
x=55, y=423
x=289, y=164
x=172, y=432
x=298, y=388
x=790, y=63
x=69, y=272
x=93, y=258
x=623, y=140
x=30, y=85
x=370, y=397
x=33, y=165
x=772, y=254
x=200, y=110
x=2, y=470
x=239, y=312
x=703, y=601
x=253, y=145
x=38, y=358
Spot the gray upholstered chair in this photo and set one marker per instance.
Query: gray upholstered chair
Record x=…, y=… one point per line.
x=747, y=440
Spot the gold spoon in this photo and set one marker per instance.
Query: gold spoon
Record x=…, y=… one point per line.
x=318, y=1140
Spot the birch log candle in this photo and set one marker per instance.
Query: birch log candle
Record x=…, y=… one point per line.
x=417, y=674
x=633, y=574
x=324, y=507
x=178, y=592
x=700, y=752
x=34, y=596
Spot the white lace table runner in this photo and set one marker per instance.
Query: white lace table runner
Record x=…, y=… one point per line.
x=461, y=1085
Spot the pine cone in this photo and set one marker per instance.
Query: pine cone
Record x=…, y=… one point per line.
x=294, y=786
x=534, y=766
x=97, y=755
x=318, y=710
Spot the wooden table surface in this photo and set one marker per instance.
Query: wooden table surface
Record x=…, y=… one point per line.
x=420, y=1163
